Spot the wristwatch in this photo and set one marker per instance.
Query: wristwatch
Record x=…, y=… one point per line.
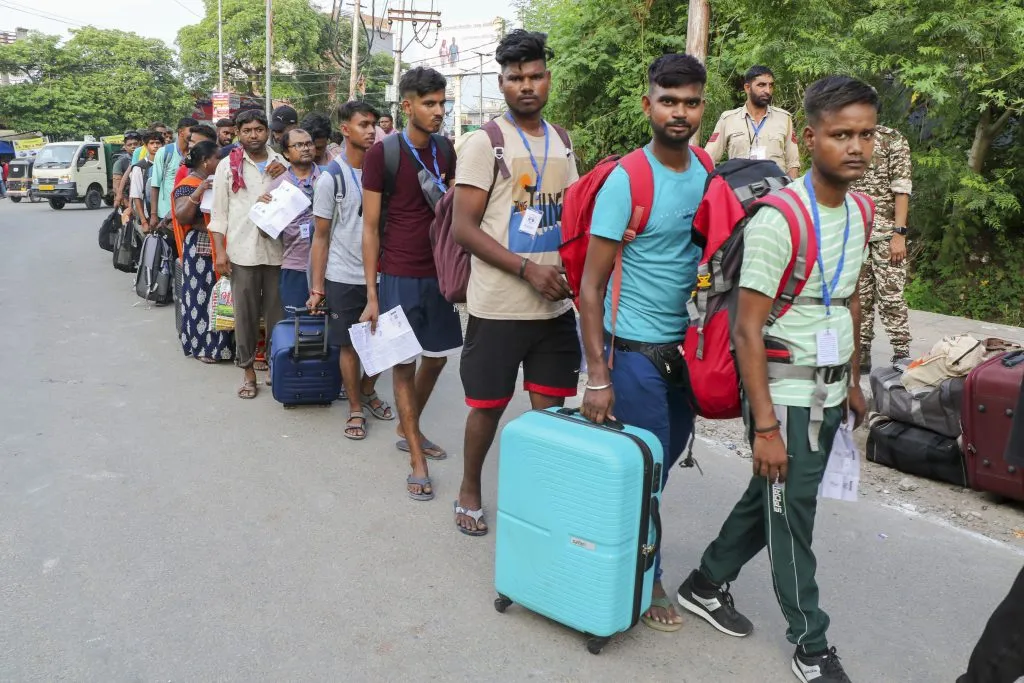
x=900, y=231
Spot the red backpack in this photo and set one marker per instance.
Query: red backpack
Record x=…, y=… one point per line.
x=578, y=214
x=450, y=258
x=734, y=192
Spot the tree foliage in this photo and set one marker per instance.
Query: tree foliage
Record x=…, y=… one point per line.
x=99, y=82
x=949, y=73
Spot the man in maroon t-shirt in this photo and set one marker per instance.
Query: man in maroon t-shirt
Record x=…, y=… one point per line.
x=402, y=247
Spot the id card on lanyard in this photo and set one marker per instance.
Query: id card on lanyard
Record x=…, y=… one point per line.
x=436, y=173
x=757, y=150
x=827, y=341
x=532, y=215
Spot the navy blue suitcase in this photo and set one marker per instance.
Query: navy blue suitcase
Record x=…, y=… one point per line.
x=304, y=368
x=578, y=521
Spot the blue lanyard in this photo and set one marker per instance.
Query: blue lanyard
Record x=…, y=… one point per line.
x=827, y=290
x=305, y=185
x=539, y=170
x=758, y=127
x=359, y=187
x=436, y=175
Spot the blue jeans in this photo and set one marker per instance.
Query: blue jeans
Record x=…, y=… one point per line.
x=644, y=399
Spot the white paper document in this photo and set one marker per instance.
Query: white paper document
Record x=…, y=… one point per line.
x=286, y=202
x=206, y=203
x=394, y=342
x=842, y=473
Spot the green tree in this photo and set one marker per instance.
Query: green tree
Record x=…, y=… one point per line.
x=99, y=82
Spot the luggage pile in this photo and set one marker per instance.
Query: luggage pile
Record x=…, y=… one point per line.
x=948, y=416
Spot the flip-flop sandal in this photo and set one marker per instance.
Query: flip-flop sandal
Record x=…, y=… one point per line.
x=422, y=482
x=342, y=395
x=248, y=391
x=427, y=445
x=360, y=427
x=475, y=515
x=382, y=411
x=650, y=622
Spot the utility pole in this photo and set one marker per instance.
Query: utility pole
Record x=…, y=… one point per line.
x=401, y=16
x=697, y=23
x=270, y=49
x=220, y=44
x=457, y=108
x=481, y=56
x=356, y=9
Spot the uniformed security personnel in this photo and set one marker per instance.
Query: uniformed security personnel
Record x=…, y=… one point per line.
x=884, y=275
x=757, y=130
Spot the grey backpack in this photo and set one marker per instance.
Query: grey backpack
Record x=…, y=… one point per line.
x=154, y=281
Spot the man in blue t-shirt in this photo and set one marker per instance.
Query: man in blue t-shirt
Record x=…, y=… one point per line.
x=646, y=387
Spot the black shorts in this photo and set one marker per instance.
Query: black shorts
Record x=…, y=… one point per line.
x=346, y=303
x=548, y=350
x=434, y=319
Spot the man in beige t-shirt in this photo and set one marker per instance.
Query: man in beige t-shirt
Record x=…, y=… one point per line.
x=507, y=214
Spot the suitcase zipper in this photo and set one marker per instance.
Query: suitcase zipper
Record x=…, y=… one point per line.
x=644, y=549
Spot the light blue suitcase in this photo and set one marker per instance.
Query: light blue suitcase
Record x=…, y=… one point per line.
x=578, y=521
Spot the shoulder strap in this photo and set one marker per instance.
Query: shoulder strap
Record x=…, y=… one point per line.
x=805, y=245
x=563, y=135
x=497, y=139
x=392, y=156
x=445, y=147
x=334, y=168
x=704, y=158
x=867, y=210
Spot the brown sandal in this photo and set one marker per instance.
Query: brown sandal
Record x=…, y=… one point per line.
x=248, y=390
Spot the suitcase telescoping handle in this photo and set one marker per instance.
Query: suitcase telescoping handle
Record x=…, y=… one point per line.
x=612, y=424
x=656, y=520
x=300, y=350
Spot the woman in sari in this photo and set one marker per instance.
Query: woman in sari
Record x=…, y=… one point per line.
x=197, y=339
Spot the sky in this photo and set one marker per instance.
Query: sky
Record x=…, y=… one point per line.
x=162, y=18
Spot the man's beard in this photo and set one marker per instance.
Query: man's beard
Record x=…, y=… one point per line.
x=762, y=101
x=663, y=137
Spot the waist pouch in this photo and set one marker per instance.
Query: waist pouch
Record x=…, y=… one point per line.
x=667, y=358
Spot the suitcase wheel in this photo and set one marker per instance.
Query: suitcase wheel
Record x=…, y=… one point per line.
x=501, y=603
x=596, y=643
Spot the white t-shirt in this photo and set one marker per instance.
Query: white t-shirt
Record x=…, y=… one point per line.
x=137, y=189
x=345, y=258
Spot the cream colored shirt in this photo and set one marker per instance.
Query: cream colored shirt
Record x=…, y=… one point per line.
x=492, y=292
x=230, y=214
x=734, y=137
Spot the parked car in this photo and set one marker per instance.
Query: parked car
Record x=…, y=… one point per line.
x=74, y=172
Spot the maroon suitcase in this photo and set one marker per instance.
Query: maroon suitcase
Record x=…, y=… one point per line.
x=990, y=397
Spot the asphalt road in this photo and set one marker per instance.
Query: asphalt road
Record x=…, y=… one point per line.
x=156, y=528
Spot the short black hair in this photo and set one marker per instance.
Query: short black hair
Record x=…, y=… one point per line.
x=157, y=124
x=833, y=93
x=200, y=153
x=132, y=135
x=317, y=125
x=205, y=131
x=385, y=115
x=421, y=81
x=225, y=123
x=286, y=138
x=250, y=115
x=756, y=71
x=523, y=46
x=349, y=109
x=151, y=135
x=187, y=122
x=674, y=69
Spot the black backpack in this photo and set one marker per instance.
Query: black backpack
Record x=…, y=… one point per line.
x=155, y=280
x=127, y=244
x=108, y=230
x=394, y=147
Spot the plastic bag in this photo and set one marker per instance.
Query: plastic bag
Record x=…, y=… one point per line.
x=842, y=473
x=222, y=307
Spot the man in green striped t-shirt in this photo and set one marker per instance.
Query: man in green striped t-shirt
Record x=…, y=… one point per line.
x=794, y=419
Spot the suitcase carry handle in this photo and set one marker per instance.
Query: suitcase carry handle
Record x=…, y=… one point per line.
x=302, y=350
x=1013, y=359
x=613, y=424
x=656, y=518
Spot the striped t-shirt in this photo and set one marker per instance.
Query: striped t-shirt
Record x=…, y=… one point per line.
x=766, y=253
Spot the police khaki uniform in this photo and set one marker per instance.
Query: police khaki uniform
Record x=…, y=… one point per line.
x=737, y=136
x=881, y=282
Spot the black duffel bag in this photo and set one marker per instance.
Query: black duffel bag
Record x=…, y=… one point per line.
x=916, y=451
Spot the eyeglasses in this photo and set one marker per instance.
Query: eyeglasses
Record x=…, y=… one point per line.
x=302, y=145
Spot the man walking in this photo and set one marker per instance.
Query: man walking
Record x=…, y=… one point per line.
x=337, y=272
x=165, y=167
x=245, y=253
x=401, y=245
x=659, y=270
x=793, y=412
x=757, y=130
x=884, y=275
x=520, y=307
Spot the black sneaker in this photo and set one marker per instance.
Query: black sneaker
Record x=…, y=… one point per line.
x=819, y=668
x=715, y=607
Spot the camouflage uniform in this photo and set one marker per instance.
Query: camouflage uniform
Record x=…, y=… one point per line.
x=881, y=281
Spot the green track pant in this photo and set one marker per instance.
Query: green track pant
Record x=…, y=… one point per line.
x=781, y=518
